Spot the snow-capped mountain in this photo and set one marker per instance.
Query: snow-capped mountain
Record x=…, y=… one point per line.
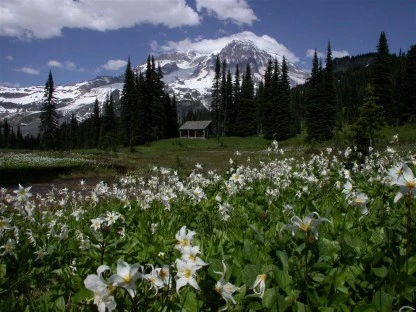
x=188, y=74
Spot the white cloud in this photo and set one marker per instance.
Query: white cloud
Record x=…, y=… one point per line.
x=68, y=65
x=206, y=46
x=335, y=53
x=28, y=19
x=113, y=65
x=53, y=63
x=339, y=53
x=28, y=70
x=311, y=52
x=236, y=11
x=9, y=58
x=10, y=84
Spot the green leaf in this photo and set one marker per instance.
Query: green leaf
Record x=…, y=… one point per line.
x=380, y=272
x=269, y=298
x=383, y=301
x=283, y=258
x=189, y=300
x=82, y=295
x=284, y=280
x=365, y=308
x=250, y=273
x=255, y=306
x=59, y=304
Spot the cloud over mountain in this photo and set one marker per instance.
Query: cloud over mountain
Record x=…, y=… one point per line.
x=236, y=11
x=206, y=46
x=41, y=19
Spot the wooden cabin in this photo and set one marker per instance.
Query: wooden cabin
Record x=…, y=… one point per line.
x=196, y=129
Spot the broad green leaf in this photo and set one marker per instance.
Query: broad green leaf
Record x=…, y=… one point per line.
x=380, y=272
x=269, y=298
x=383, y=301
x=283, y=258
x=284, y=280
x=255, y=306
x=250, y=273
x=59, y=304
x=365, y=308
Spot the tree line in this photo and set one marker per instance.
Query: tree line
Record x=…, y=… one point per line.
x=145, y=112
x=239, y=109
x=361, y=92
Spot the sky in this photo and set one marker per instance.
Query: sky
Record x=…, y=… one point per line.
x=81, y=39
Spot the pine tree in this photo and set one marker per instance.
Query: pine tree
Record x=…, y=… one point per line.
x=246, y=120
x=6, y=133
x=370, y=120
x=96, y=124
x=410, y=107
x=330, y=97
x=108, y=132
x=314, y=111
x=142, y=125
x=235, y=104
x=382, y=80
x=266, y=107
x=74, y=135
x=228, y=103
x=284, y=121
x=216, y=98
x=128, y=101
x=49, y=119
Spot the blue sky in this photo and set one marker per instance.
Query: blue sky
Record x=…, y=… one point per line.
x=81, y=39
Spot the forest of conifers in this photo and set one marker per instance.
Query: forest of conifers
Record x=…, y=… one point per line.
x=340, y=93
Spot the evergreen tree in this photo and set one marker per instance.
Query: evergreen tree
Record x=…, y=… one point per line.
x=284, y=121
x=382, y=80
x=96, y=124
x=266, y=105
x=216, y=99
x=228, y=103
x=49, y=119
x=410, y=101
x=127, y=102
x=235, y=104
x=6, y=133
x=370, y=120
x=142, y=126
x=246, y=124
x=223, y=99
x=19, y=138
x=314, y=111
x=74, y=135
x=108, y=131
x=330, y=97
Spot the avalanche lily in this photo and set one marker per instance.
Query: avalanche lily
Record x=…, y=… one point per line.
x=259, y=286
x=184, y=238
x=225, y=289
x=186, y=274
x=407, y=183
x=126, y=276
x=102, y=291
x=307, y=224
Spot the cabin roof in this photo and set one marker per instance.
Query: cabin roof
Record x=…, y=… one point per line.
x=195, y=125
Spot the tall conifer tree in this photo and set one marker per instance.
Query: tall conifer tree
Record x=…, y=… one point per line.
x=330, y=97
x=216, y=98
x=49, y=118
x=128, y=102
x=382, y=80
x=246, y=120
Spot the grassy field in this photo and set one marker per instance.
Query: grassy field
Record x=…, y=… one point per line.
x=293, y=232
x=179, y=154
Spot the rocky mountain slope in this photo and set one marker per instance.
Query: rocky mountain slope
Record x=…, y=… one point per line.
x=187, y=74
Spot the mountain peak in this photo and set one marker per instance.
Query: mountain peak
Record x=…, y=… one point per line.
x=187, y=74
